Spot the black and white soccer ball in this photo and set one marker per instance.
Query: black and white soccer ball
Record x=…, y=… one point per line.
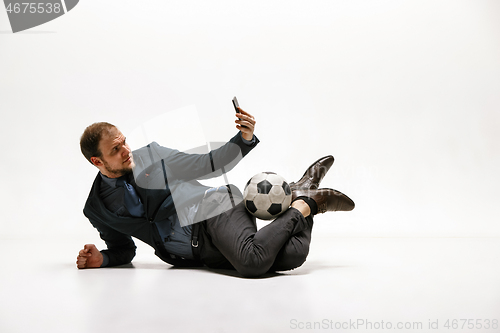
x=267, y=195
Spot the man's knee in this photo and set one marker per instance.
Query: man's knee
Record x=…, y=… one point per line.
x=253, y=268
x=290, y=260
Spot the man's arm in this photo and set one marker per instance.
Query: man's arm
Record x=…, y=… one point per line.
x=188, y=167
x=120, y=249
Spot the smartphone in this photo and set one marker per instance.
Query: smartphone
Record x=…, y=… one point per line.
x=236, y=106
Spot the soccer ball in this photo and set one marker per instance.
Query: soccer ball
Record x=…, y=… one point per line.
x=267, y=195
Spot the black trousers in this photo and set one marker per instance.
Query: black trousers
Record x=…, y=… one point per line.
x=231, y=240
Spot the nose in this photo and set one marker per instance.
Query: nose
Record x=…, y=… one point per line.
x=127, y=149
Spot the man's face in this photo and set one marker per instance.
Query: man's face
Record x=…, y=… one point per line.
x=116, y=159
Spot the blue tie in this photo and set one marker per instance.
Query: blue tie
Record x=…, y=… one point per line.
x=132, y=201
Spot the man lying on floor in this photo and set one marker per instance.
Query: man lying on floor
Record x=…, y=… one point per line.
x=152, y=194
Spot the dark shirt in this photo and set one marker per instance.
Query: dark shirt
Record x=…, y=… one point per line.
x=176, y=239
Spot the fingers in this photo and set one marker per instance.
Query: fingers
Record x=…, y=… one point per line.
x=85, y=252
x=245, y=123
x=83, y=255
x=245, y=127
x=81, y=262
x=244, y=112
x=245, y=118
x=250, y=124
x=90, y=249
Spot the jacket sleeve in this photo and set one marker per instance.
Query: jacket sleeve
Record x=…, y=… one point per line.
x=121, y=247
x=188, y=167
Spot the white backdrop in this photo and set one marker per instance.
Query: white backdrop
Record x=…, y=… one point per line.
x=404, y=94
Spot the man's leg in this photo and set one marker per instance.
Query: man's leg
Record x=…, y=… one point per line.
x=294, y=253
x=253, y=253
x=284, y=242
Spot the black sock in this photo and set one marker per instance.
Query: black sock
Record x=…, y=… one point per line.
x=311, y=203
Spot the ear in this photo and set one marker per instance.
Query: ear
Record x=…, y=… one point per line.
x=96, y=161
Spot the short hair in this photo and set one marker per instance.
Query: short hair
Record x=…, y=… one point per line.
x=89, y=141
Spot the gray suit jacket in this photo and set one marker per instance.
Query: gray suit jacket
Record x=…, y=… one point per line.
x=166, y=181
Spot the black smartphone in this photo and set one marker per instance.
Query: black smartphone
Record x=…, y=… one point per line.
x=236, y=106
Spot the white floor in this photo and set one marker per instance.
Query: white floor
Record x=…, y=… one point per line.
x=349, y=282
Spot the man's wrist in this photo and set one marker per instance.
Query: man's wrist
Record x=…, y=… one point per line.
x=105, y=260
x=248, y=142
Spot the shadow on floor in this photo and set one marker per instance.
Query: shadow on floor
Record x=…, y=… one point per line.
x=304, y=270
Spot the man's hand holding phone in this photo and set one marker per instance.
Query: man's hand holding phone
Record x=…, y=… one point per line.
x=245, y=122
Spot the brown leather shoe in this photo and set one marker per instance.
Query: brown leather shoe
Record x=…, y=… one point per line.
x=327, y=199
x=314, y=174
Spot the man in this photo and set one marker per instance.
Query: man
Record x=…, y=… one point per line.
x=152, y=195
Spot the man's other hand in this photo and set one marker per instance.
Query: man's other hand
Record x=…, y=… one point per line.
x=89, y=257
x=246, y=124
